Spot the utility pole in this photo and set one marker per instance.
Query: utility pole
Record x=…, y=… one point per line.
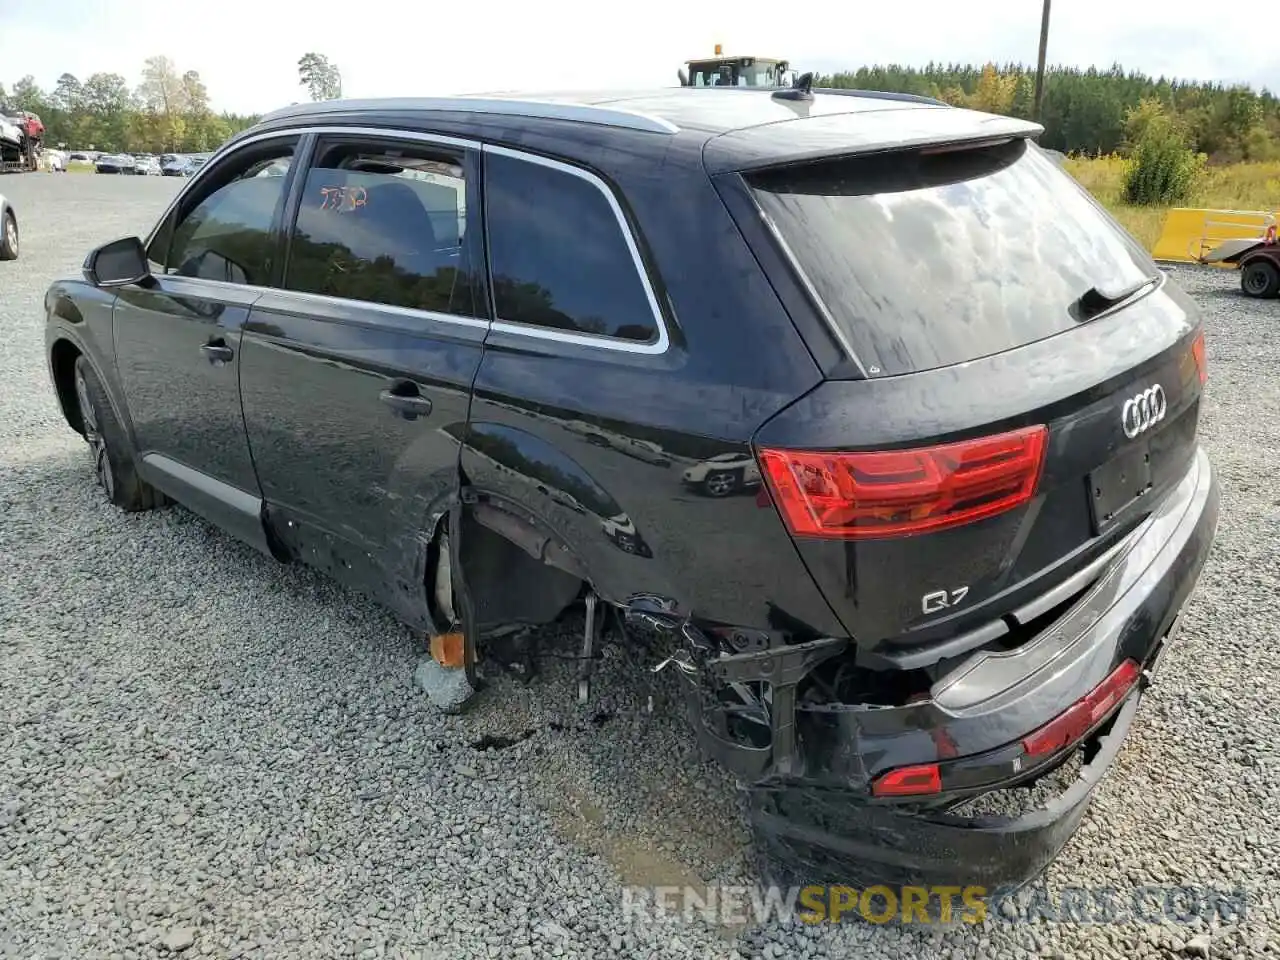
x=1044, y=45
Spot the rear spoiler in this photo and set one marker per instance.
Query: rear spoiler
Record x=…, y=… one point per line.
x=858, y=133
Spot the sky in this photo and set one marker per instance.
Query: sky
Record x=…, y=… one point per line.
x=247, y=50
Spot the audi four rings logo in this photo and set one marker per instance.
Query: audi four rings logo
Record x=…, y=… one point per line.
x=1144, y=411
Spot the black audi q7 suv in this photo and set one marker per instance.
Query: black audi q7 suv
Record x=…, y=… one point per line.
x=858, y=397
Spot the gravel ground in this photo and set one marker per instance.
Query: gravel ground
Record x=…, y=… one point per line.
x=202, y=752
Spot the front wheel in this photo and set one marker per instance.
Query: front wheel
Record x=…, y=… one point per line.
x=721, y=483
x=113, y=461
x=1260, y=279
x=9, y=237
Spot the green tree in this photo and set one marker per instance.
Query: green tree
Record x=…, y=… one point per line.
x=1024, y=97
x=320, y=76
x=198, y=132
x=169, y=111
x=163, y=98
x=28, y=96
x=68, y=95
x=1087, y=111
x=1138, y=118
x=994, y=92
x=1240, y=112
x=161, y=89
x=1260, y=145
x=108, y=106
x=1162, y=168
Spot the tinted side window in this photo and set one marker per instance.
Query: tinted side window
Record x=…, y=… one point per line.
x=384, y=223
x=558, y=254
x=227, y=236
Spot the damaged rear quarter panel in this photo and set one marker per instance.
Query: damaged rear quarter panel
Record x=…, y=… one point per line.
x=734, y=361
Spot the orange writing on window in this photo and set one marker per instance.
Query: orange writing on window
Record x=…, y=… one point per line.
x=343, y=199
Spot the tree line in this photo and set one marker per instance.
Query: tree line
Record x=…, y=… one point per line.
x=1084, y=111
x=1096, y=111
x=168, y=112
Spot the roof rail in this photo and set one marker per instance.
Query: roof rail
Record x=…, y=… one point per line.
x=881, y=95
x=541, y=109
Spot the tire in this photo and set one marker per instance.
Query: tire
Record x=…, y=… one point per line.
x=9, y=237
x=1260, y=279
x=722, y=483
x=113, y=459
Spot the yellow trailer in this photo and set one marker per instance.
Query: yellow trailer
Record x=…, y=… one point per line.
x=1189, y=234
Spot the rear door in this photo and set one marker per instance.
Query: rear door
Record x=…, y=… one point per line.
x=1024, y=386
x=358, y=369
x=178, y=341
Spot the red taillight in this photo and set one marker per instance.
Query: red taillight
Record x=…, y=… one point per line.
x=903, y=492
x=1083, y=715
x=914, y=781
x=1197, y=351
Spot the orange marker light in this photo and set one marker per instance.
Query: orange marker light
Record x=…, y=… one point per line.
x=449, y=650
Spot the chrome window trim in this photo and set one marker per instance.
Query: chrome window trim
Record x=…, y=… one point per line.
x=599, y=114
x=251, y=291
x=475, y=323
x=654, y=347
x=413, y=313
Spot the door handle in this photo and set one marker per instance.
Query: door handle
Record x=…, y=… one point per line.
x=408, y=405
x=217, y=351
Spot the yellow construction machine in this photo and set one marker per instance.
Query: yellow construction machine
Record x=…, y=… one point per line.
x=743, y=71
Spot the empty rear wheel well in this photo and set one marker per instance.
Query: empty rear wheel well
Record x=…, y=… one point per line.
x=63, y=363
x=515, y=572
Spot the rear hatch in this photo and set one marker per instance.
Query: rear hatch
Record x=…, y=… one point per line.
x=1023, y=389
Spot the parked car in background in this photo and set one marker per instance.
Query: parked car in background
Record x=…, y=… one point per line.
x=55, y=161
x=176, y=166
x=8, y=230
x=147, y=166
x=641, y=449
x=115, y=163
x=984, y=498
x=724, y=474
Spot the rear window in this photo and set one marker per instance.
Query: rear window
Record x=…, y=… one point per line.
x=923, y=260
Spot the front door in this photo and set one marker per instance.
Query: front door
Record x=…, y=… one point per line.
x=357, y=372
x=178, y=340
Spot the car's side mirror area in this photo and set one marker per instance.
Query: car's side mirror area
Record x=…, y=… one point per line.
x=117, y=264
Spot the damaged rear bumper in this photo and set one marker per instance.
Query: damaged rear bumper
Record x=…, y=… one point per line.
x=820, y=837
x=810, y=783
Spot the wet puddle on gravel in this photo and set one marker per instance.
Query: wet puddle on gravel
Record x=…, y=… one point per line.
x=616, y=780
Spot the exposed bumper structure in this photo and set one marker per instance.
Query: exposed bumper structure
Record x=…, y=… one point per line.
x=810, y=785
x=867, y=844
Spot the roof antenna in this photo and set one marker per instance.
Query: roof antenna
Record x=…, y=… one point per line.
x=802, y=89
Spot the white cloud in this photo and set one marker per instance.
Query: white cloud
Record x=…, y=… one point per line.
x=247, y=50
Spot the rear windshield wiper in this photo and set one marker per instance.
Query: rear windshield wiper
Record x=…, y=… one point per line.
x=1094, y=302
